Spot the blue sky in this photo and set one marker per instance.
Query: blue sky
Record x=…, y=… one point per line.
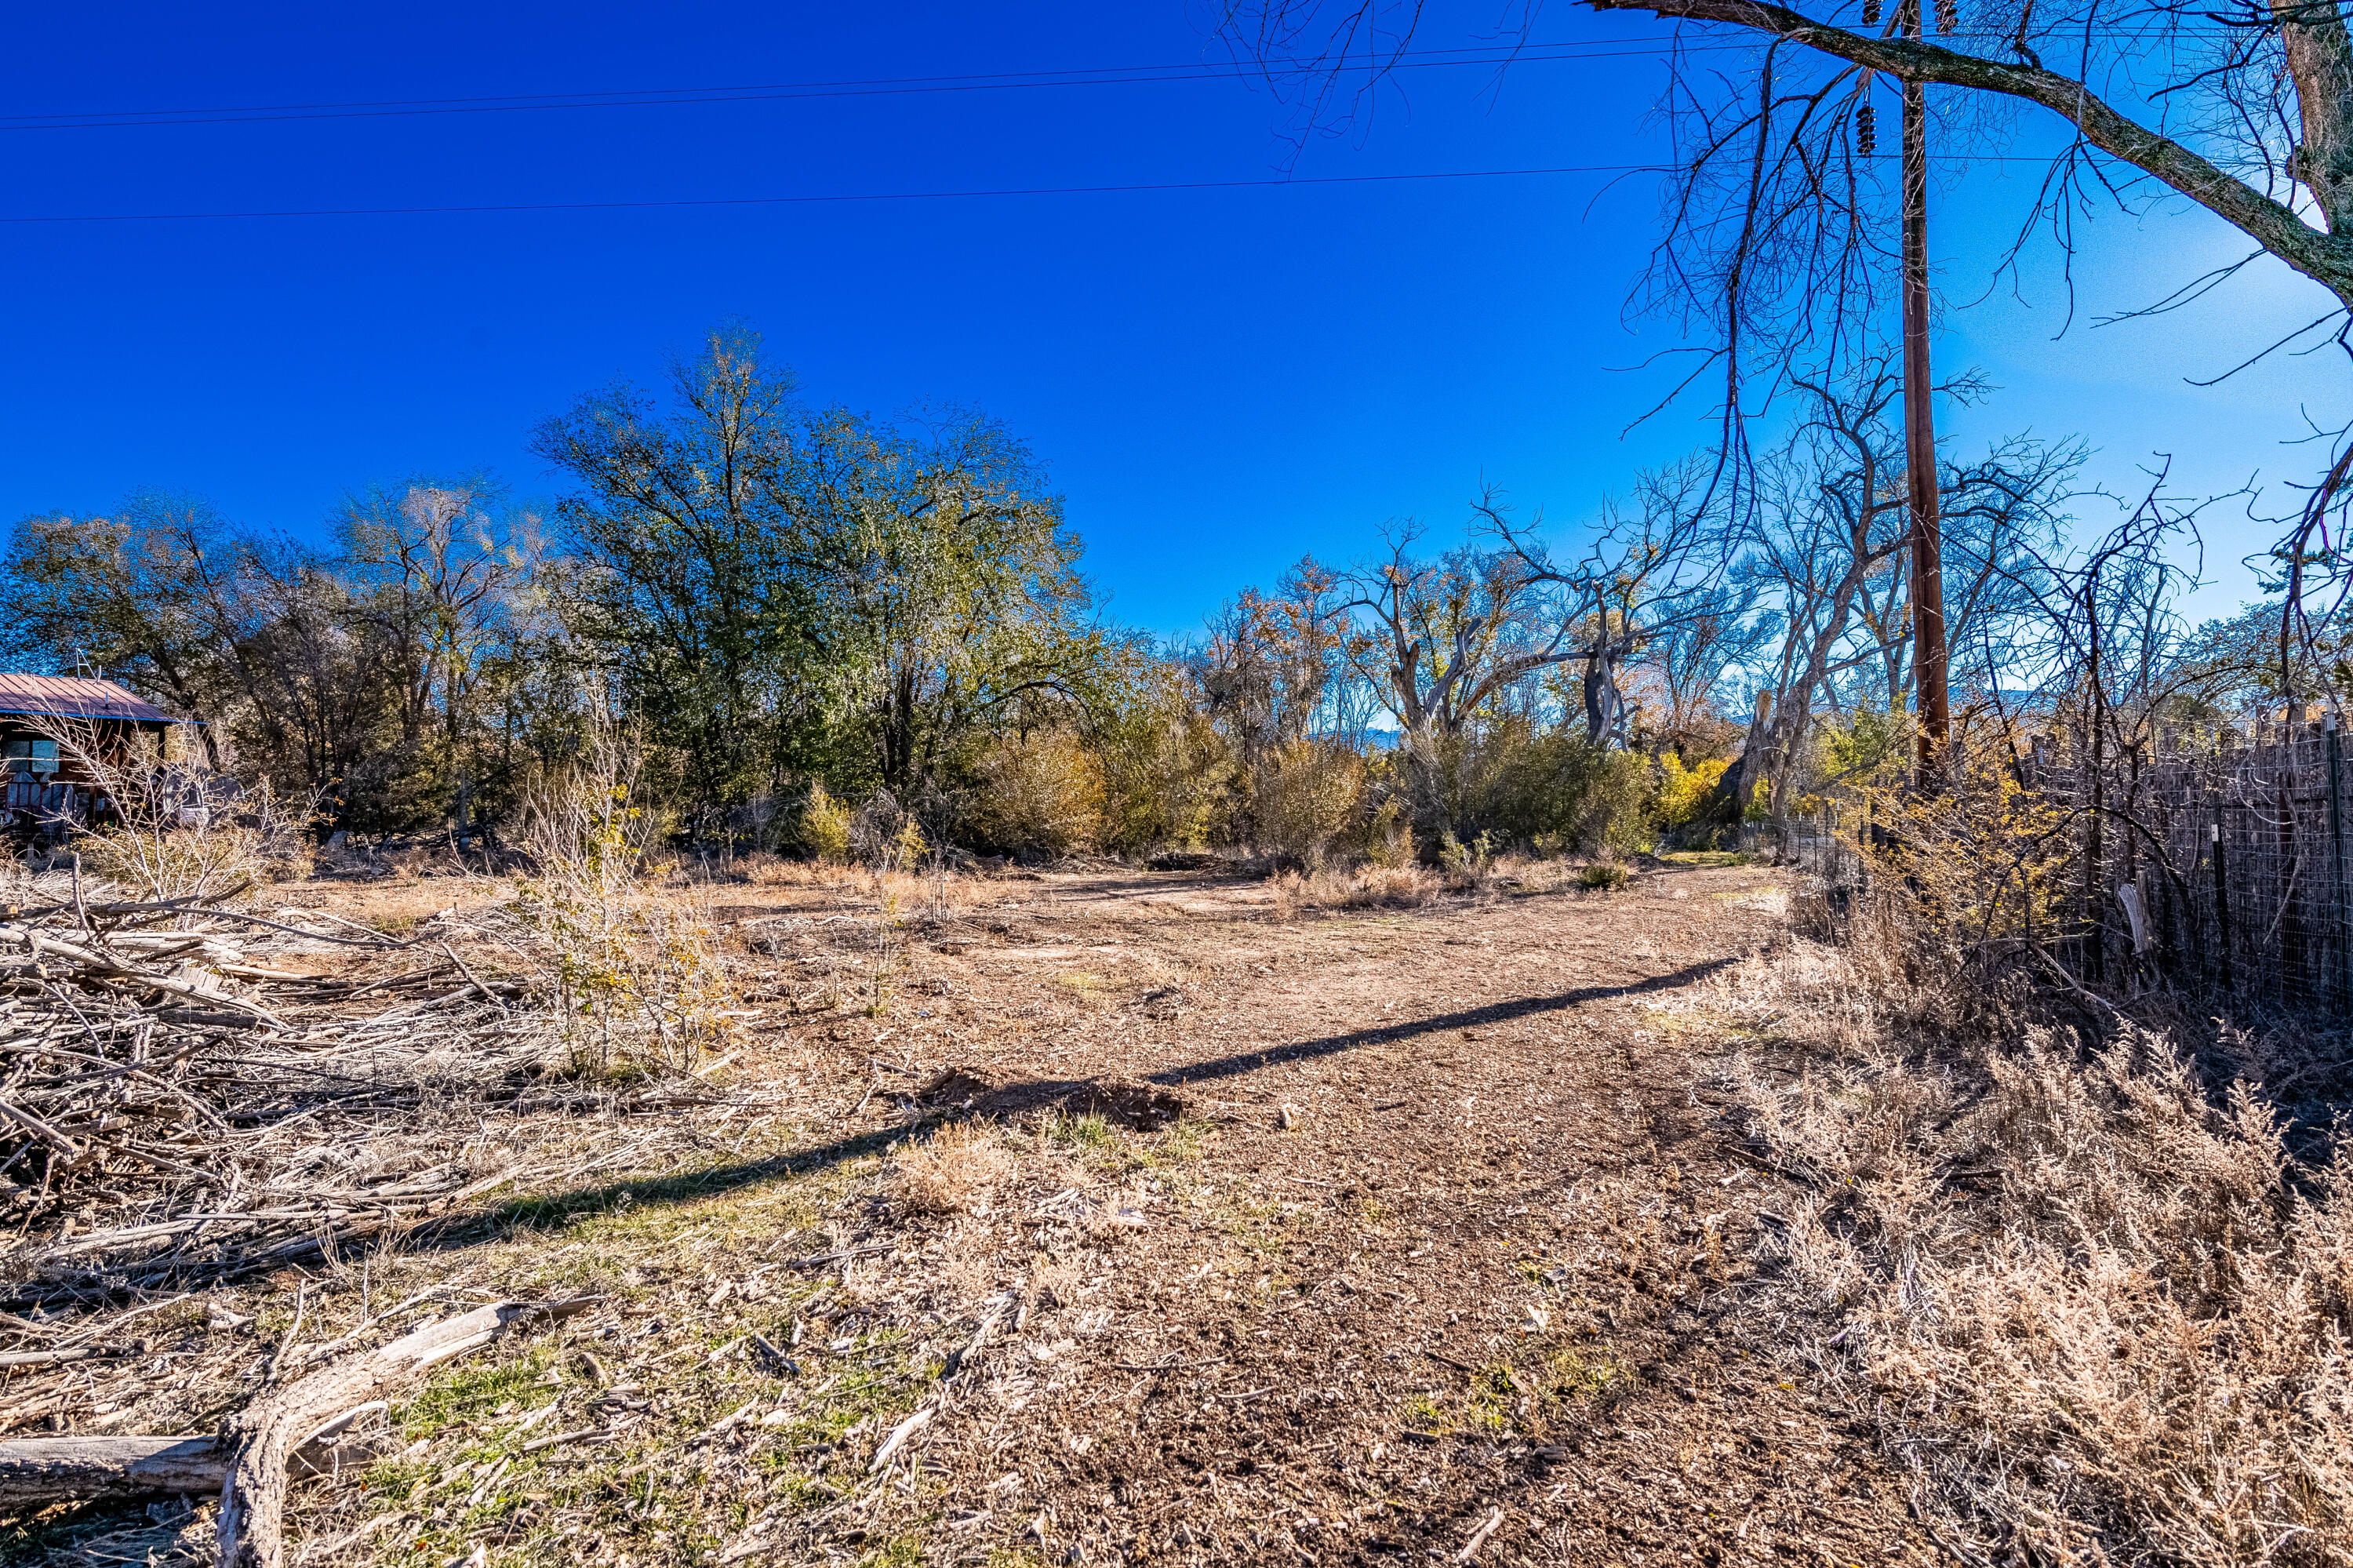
x=1219, y=380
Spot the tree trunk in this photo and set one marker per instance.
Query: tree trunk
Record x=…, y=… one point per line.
x=2320, y=58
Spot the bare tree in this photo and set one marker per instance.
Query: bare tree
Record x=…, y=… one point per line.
x=444, y=569
x=1826, y=552
x=1779, y=234
x=1447, y=636
x=1835, y=518
x=1696, y=661
x=1643, y=577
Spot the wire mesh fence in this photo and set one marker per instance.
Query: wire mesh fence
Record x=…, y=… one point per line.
x=1827, y=845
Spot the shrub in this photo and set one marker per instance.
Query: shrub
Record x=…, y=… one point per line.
x=634, y=978
x=1042, y=791
x=1602, y=876
x=1521, y=784
x=2095, y=1308
x=1467, y=865
x=1304, y=797
x=1683, y=792
x=1167, y=775
x=180, y=829
x=825, y=826
x=1359, y=887
x=1388, y=837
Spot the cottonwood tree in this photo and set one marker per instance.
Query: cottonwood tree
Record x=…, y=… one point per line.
x=1696, y=661
x=1779, y=244
x=1274, y=668
x=1445, y=636
x=944, y=585
x=1831, y=515
x=785, y=591
x=444, y=572
x=258, y=636
x=684, y=517
x=1644, y=577
x=137, y=594
x=1825, y=550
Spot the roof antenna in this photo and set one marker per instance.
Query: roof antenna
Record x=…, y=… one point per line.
x=81, y=664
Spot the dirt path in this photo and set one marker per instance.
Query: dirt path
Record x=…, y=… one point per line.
x=1496, y=1260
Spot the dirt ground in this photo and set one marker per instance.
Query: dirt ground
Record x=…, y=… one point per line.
x=1119, y=1216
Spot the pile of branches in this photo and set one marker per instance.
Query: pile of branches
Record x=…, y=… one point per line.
x=176, y=1112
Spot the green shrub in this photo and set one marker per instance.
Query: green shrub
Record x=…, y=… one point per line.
x=1603, y=877
x=825, y=826
x=1467, y=865
x=1556, y=787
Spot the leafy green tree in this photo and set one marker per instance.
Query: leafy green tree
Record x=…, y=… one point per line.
x=950, y=602
x=690, y=594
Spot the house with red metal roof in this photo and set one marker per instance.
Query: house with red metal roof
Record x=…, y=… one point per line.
x=46, y=783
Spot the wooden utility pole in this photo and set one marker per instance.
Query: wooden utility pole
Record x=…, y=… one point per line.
x=1929, y=658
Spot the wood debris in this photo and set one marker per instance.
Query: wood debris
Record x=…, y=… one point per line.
x=173, y=1114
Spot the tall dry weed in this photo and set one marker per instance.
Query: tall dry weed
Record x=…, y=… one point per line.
x=179, y=829
x=636, y=980
x=2101, y=1313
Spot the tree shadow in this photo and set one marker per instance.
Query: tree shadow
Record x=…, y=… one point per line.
x=555, y=1211
x=1473, y=1018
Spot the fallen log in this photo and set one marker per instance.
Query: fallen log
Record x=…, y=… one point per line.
x=291, y=1430
x=268, y=1432
x=100, y=964
x=36, y=1472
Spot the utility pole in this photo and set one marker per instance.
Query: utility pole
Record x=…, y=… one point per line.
x=1929, y=656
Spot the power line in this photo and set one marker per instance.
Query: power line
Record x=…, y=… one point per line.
x=814, y=200
x=852, y=197
x=993, y=81
x=641, y=98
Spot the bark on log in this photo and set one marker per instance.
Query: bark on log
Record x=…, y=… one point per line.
x=290, y=1429
x=36, y=1472
x=253, y=1493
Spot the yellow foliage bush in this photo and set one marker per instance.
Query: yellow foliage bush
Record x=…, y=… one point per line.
x=1306, y=796
x=1683, y=792
x=637, y=981
x=825, y=826
x=1985, y=858
x=1043, y=791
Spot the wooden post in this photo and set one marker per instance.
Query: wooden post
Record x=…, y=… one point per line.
x=2221, y=902
x=1929, y=655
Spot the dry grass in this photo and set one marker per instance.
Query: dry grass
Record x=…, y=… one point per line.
x=2101, y=1313
x=1353, y=887
x=957, y=1171
x=913, y=892
x=180, y=831
x=1475, y=873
